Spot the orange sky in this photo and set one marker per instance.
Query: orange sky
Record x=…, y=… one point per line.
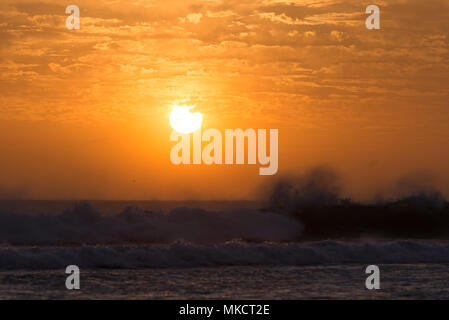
x=84, y=113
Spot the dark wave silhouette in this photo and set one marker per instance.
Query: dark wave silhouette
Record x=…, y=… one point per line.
x=302, y=208
x=314, y=199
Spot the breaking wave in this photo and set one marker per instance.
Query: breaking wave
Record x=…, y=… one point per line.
x=186, y=255
x=82, y=224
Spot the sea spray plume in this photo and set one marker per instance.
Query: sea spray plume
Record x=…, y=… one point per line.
x=315, y=188
x=313, y=200
x=416, y=182
x=414, y=190
x=417, y=189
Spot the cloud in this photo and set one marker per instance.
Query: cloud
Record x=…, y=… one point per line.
x=288, y=52
x=194, y=18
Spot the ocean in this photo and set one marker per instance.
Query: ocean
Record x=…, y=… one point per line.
x=340, y=281
x=157, y=250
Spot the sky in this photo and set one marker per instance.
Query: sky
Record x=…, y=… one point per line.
x=84, y=113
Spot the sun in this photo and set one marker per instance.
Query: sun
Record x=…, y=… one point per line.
x=183, y=121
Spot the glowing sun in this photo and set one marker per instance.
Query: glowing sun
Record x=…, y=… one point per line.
x=183, y=121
